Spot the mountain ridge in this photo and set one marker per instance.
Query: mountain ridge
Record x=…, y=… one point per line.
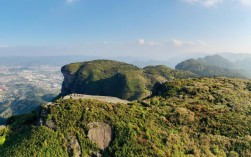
x=209, y=66
x=102, y=77
x=184, y=117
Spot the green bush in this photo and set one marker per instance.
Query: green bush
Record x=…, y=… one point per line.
x=183, y=123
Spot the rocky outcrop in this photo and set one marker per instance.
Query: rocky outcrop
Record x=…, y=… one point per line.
x=100, y=133
x=73, y=146
x=157, y=89
x=99, y=98
x=68, y=82
x=51, y=124
x=117, y=79
x=42, y=117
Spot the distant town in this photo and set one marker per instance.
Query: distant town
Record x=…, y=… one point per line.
x=37, y=84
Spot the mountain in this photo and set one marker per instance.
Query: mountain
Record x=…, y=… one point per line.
x=235, y=56
x=212, y=66
x=183, y=117
x=219, y=61
x=118, y=79
x=245, y=64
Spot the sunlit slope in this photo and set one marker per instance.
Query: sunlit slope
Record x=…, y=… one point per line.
x=212, y=66
x=111, y=78
x=185, y=117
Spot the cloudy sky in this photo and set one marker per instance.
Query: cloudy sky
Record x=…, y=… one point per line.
x=150, y=28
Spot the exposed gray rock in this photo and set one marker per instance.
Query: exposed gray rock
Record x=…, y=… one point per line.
x=51, y=124
x=44, y=113
x=96, y=154
x=108, y=99
x=100, y=133
x=73, y=146
x=68, y=82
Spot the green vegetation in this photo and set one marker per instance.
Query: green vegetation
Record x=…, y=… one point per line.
x=184, y=117
x=219, y=61
x=3, y=132
x=25, y=140
x=111, y=78
x=29, y=98
x=34, y=141
x=212, y=66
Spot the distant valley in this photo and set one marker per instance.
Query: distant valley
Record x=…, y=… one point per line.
x=27, y=82
x=112, y=108
x=24, y=89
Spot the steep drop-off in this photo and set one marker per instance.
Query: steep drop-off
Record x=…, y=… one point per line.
x=111, y=78
x=185, y=117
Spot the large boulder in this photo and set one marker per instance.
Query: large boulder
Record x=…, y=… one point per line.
x=100, y=133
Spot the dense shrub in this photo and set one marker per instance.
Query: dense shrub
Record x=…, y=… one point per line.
x=184, y=122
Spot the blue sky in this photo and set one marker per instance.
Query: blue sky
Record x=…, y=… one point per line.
x=149, y=28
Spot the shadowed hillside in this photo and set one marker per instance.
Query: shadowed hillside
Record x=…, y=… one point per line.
x=185, y=117
x=111, y=78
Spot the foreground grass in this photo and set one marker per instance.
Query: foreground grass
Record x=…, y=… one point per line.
x=186, y=117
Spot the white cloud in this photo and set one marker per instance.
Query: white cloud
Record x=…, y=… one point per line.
x=213, y=3
x=154, y=43
x=176, y=42
x=206, y=3
x=246, y=2
x=141, y=41
x=71, y=1
x=180, y=43
x=191, y=1
x=149, y=43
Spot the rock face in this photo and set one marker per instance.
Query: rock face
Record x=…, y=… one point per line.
x=44, y=113
x=100, y=133
x=117, y=79
x=104, y=77
x=69, y=79
x=73, y=146
x=51, y=124
x=157, y=89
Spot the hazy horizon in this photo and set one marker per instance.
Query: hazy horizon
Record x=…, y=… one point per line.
x=151, y=29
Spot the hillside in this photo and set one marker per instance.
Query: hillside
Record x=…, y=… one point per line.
x=245, y=64
x=112, y=78
x=185, y=117
x=219, y=61
x=212, y=66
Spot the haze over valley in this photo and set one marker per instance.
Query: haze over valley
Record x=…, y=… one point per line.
x=132, y=78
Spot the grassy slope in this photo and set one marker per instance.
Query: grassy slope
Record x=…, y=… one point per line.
x=202, y=68
x=25, y=140
x=111, y=78
x=104, y=77
x=191, y=117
